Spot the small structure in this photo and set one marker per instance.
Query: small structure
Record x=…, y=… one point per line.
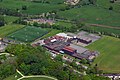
x=2, y=46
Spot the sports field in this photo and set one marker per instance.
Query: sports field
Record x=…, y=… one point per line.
x=8, y=29
x=28, y=34
x=109, y=59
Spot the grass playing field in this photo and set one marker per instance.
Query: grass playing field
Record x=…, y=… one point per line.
x=8, y=29
x=108, y=60
x=28, y=34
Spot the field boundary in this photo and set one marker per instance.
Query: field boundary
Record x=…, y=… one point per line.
x=105, y=26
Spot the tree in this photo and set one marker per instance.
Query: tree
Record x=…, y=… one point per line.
x=24, y=7
x=110, y=8
x=92, y=2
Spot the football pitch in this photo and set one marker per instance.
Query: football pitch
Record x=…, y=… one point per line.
x=109, y=48
x=28, y=34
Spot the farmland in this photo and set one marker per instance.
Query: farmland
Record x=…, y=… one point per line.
x=9, y=19
x=106, y=4
x=105, y=30
x=108, y=60
x=28, y=34
x=92, y=14
x=5, y=30
x=32, y=7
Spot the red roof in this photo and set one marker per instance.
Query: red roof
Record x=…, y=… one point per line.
x=69, y=49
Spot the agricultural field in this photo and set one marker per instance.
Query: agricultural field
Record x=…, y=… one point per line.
x=28, y=34
x=92, y=14
x=105, y=30
x=9, y=19
x=108, y=60
x=65, y=24
x=8, y=29
x=106, y=4
x=32, y=7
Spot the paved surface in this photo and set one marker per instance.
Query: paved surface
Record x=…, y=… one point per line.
x=43, y=76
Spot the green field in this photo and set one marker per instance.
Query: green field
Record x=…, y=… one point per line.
x=102, y=29
x=6, y=30
x=63, y=23
x=109, y=48
x=28, y=34
x=93, y=15
x=51, y=33
x=106, y=4
x=32, y=7
x=9, y=19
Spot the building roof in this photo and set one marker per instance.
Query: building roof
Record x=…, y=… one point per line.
x=78, y=48
x=70, y=49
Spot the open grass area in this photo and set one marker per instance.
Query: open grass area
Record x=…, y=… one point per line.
x=32, y=7
x=28, y=34
x=8, y=29
x=9, y=19
x=65, y=24
x=51, y=33
x=102, y=29
x=106, y=4
x=109, y=48
x=92, y=14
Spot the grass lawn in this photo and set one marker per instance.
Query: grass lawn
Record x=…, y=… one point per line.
x=6, y=30
x=9, y=19
x=28, y=34
x=92, y=14
x=51, y=33
x=109, y=58
x=102, y=29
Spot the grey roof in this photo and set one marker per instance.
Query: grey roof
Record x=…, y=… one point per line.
x=78, y=48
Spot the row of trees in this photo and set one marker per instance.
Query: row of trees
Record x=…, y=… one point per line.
x=2, y=21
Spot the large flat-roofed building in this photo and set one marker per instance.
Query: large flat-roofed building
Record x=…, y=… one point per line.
x=78, y=48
